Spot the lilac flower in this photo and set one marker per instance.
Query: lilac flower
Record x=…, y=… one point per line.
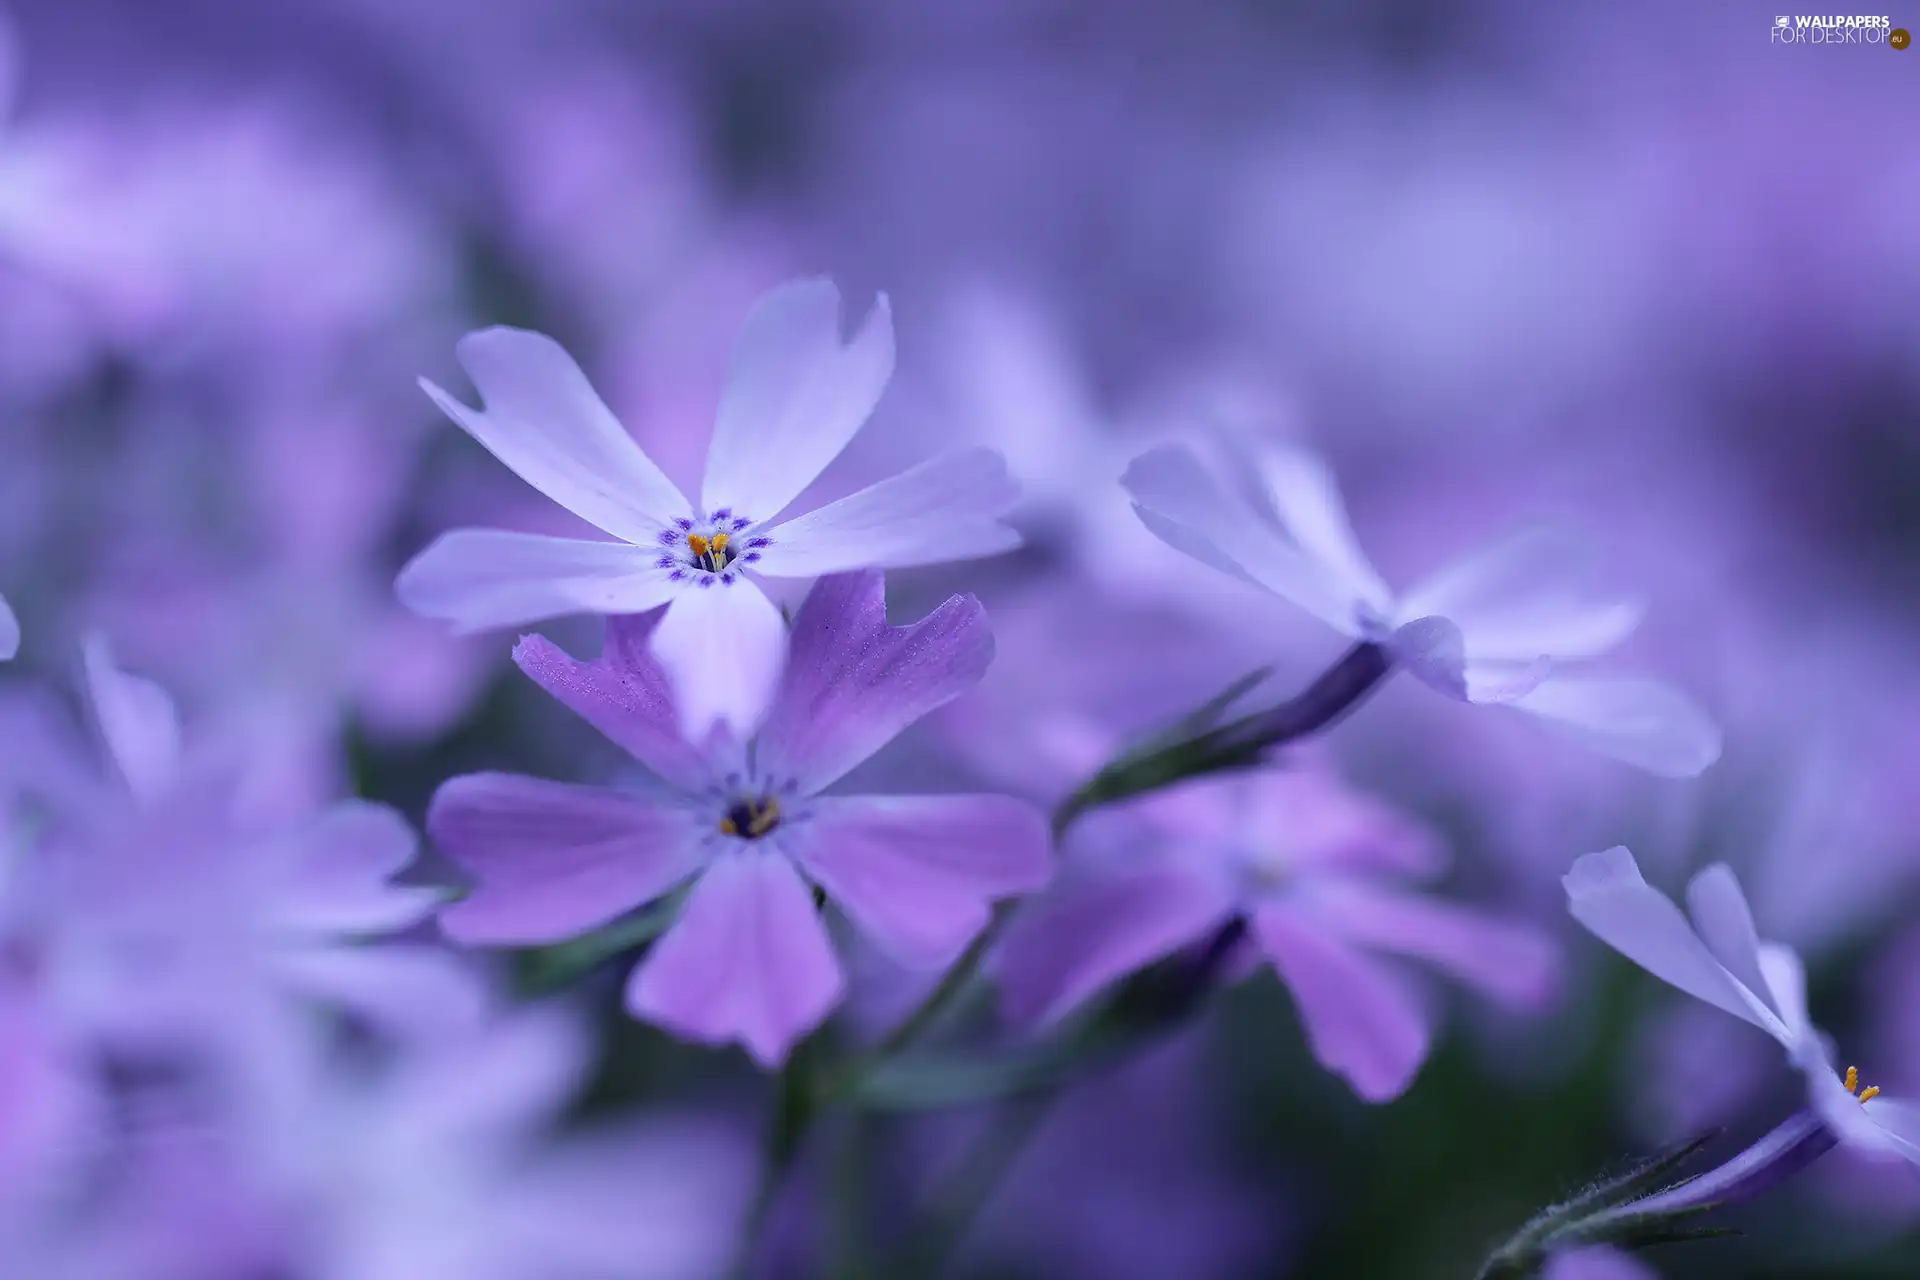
x=9, y=631
x=749, y=958
x=1720, y=958
x=160, y=904
x=431, y=1161
x=794, y=396
x=1493, y=627
x=1319, y=874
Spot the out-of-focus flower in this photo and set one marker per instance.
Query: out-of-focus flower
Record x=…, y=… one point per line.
x=274, y=612
x=162, y=905
x=188, y=223
x=1491, y=628
x=1720, y=958
x=795, y=395
x=1319, y=873
x=430, y=1161
x=9, y=630
x=749, y=958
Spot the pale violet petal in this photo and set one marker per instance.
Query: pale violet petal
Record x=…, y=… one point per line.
x=1643, y=722
x=1307, y=499
x=552, y=860
x=1899, y=1119
x=795, y=395
x=9, y=631
x=1361, y=1019
x=1188, y=510
x=1084, y=935
x=136, y=720
x=1786, y=980
x=853, y=682
x=1525, y=597
x=1725, y=923
x=543, y=419
x=481, y=579
x=944, y=509
x=722, y=645
x=1606, y=893
x=747, y=960
x=1845, y=1116
x=919, y=874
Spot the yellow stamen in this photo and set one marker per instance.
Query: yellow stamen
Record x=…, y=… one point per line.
x=1853, y=1079
x=1871, y=1091
x=727, y=828
x=696, y=544
x=765, y=814
x=718, y=542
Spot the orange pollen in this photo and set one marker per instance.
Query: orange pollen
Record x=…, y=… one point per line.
x=698, y=544
x=1871, y=1091
x=718, y=541
x=1853, y=1086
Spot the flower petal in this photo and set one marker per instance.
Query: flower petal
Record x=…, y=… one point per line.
x=795, y=395
x=1786, y=980
x=624, y=694
x=943, y=509
x=1645, y=723
x=1086, y=934
x=853, y=682
x=722, y=647
x=1725, y=923
x=479, y=579
x=9, y=631
x=543, y=419
x=412, y=990
x=748, y=960
x=554, y=860
x=1899, y=1120
x=1360, y=1018
x=1605, y=892
x=1307, y=499
x=1513, y=963
x=1185, y=508
x=1845, y=1116
x=916, y=872
x=136, y=719
x=1527, y=596
x=338, y=869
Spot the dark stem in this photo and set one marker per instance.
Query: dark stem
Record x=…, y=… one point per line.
x=794, y=1107
x=1238, y=744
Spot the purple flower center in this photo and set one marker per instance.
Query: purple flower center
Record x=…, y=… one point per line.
x=713, y=550
x=750, y=817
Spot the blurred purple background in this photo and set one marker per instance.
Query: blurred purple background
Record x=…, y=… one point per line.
x=1630, y=266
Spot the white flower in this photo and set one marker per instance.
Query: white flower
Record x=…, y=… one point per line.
x=795, y=394
x=1719, y=958
x=1493, y=627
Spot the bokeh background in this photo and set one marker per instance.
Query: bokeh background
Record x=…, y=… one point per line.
x=1628, y=265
